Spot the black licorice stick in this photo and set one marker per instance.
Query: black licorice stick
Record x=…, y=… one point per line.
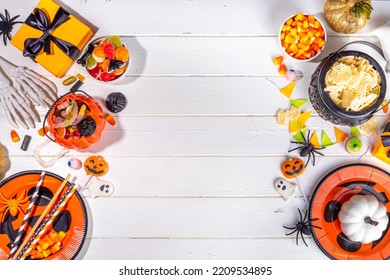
x=25, y=143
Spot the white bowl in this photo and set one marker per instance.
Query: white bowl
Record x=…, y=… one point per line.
x=97, y=41
x=296, y=59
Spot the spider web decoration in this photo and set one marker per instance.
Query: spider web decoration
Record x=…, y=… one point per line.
x=6, y=25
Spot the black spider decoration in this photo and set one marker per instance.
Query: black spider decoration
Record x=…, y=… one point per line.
x=302, y=227
x=307, y=149
x=6, y=25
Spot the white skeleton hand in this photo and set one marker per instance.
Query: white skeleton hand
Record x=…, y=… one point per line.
x=38, y=89
x=29, y=88
x=15, y=106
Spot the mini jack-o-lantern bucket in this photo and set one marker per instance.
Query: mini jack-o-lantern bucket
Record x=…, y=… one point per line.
x=75, y=121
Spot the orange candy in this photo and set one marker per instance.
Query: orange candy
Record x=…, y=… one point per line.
x=122, y=53
x=120, y=71
x=41, y=132
x=302, y=36
x=110, y=119
x=282, y=69
x=98, y=54
x=385, y=107
x=278, y=60
x=61, y=131
x=106, y=64
x=14, y=136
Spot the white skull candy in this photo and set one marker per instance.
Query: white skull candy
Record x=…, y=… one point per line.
x=286, y=189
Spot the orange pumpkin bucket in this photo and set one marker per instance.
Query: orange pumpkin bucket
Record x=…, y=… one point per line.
x=75, y=121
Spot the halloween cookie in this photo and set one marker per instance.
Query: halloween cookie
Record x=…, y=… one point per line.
x=292, y=167
x=96, y=166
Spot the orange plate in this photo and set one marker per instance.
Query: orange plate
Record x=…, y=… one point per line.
x=336, y=188
x=72, y=219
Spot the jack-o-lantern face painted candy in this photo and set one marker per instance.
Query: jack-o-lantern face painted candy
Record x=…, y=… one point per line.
x=292, y=167
x=96, y=166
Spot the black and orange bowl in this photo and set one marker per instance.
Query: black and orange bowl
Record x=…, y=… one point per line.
x=72, y=219
x=337, y=187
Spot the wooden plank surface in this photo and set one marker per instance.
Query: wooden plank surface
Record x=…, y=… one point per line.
x=246, y=17
x=195, y=154
x=201, y=249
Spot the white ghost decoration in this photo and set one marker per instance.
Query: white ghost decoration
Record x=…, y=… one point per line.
x=286, y=189
x=98, y=187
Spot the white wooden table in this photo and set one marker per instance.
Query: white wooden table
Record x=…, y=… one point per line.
x=195, y=154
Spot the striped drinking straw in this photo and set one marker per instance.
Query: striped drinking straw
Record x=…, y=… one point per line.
x=49, y=220
x=26, y=216
x=40, y=219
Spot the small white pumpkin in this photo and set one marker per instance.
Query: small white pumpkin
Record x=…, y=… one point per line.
x=363, y=218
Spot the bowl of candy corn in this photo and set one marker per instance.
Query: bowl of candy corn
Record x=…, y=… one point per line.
x=302, y=37
x=75, y=121
x=107, y=59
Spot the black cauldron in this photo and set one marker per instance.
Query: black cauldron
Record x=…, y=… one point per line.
x=321, y=100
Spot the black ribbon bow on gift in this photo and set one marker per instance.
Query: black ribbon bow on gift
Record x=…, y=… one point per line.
x=39, y=20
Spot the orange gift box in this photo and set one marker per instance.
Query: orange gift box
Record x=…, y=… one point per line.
x=52, y=37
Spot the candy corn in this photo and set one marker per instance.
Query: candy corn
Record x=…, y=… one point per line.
x=278, y=60
x=302, y=36
x=385, y=106
x=110, y=119
x=282, y=69
x=41, y=132
x=14, y=136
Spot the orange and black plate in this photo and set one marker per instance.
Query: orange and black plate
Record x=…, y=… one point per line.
x=72, y=219
x=334, y=189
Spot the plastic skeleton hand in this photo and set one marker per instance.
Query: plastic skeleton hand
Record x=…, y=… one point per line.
x=15, y=106
x=31, y=87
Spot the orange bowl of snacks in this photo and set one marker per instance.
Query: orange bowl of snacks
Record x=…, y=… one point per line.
x=75, y=121
x=302, y=37
x=106, y=59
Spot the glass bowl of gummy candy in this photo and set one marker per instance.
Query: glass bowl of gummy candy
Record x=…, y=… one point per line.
x=76, y=121
x=108, y=59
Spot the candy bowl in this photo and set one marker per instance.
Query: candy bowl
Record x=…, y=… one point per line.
x=75, y=121
x=302, y=37
x=106, y=59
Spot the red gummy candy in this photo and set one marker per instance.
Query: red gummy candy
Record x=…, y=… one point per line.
x=95, y=72
x=105, y=76
x=67, y=135
x=109, y=50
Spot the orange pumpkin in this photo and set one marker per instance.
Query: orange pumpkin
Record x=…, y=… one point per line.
x=292, y=167
x=96, y=166
x=83, y=142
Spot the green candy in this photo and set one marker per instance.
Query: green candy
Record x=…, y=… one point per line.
x=90, y=63
x=116, y=41
x=353, y=144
